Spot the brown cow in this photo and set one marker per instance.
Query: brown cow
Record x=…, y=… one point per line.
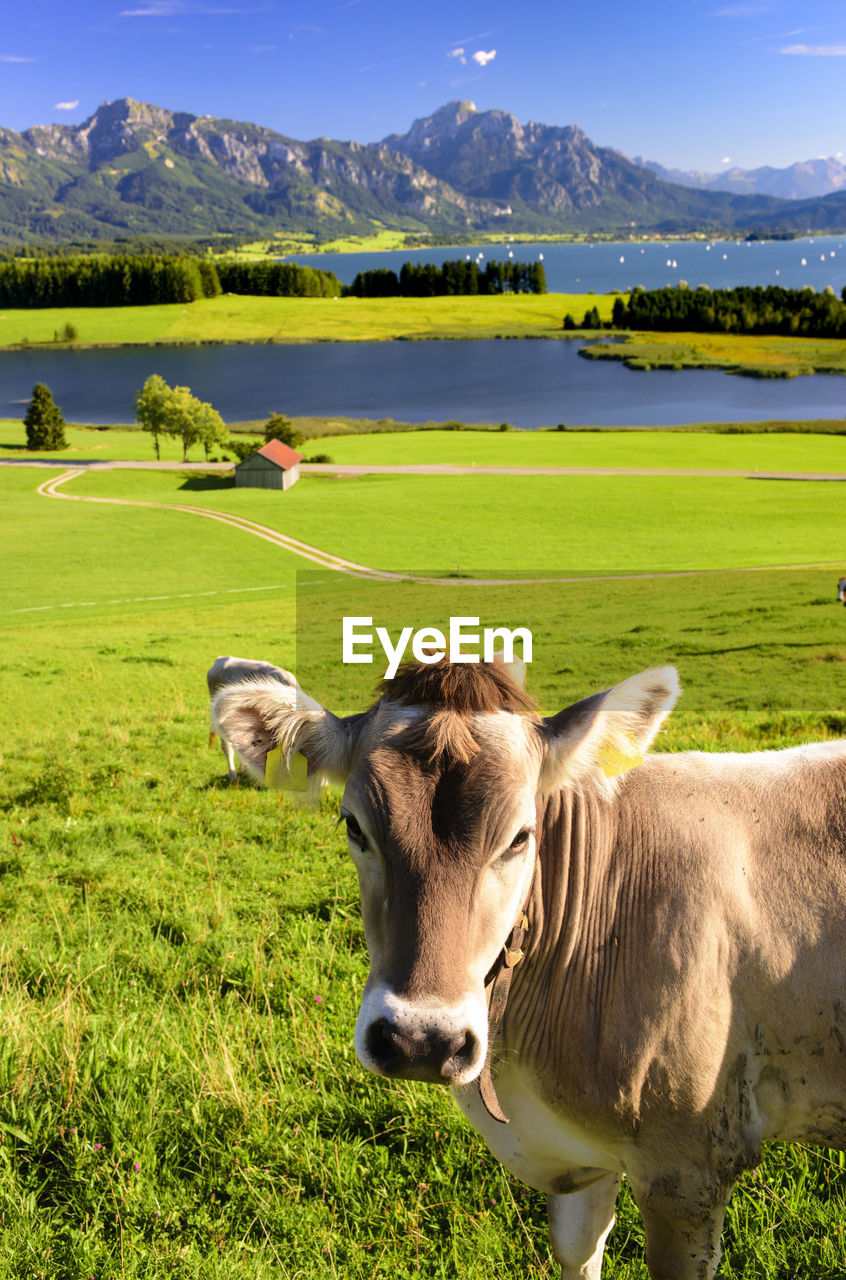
x=683, y=991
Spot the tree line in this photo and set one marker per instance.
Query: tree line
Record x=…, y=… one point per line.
x=276, y=279
x=452, y=279
x=146, y=279
x=172, y=246
x=746, y=309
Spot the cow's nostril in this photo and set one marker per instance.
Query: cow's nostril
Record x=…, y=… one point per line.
x=382, y=1045
x=462, y=1054
x=419, y=1054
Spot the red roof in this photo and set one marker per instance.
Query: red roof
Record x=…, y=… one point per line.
x=282, y=454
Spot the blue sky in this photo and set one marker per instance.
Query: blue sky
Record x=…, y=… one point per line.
x=694, y=83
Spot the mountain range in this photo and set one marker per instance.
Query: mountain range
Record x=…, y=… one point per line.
x=133, y=169
x=802, y=181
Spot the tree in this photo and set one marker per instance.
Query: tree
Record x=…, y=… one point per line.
x=243, y=448
x=194, y=421
x=153, y=408
x=278, y=427
x=184, y=421
x=45, y=426
x=174, y=411
x=210, y=427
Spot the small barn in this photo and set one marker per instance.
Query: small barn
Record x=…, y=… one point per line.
x=274, y=466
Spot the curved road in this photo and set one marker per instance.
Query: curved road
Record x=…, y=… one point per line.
x=52, y=489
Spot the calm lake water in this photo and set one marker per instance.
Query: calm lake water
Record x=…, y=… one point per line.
x=527, y=383
x=577, y=268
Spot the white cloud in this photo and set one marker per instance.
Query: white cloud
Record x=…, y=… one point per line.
x=726, y=160
x=66, y=106
x=816, y=50
x=13, y=57
x=484, y=58
x=458, y=52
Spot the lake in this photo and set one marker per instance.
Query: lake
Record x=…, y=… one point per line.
x=529, y=383
x=818, y=261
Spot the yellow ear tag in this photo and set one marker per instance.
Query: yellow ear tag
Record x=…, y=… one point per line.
x=612, y=761
x=282, y=779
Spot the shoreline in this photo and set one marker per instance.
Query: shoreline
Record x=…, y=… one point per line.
x=641, y=352
x=370, y=244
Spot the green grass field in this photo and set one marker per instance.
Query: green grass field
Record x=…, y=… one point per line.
x=234, y=318
x=181, y=962
x=762, y=452
x=760, y=356
x=541, y=523
x=95, y=444
x=306, y=243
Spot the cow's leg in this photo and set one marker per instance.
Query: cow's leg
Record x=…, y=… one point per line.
x=681, y=1246
x=229, y=757
x=579, y=1223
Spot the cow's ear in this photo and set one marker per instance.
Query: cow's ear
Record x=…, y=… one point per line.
x=516, y=668
x=601, y=737
x=258, y=716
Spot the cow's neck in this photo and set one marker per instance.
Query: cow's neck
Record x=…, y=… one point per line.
x=572, y=909
x=576, y=837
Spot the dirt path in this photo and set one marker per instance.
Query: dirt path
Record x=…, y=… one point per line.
x=51, y=489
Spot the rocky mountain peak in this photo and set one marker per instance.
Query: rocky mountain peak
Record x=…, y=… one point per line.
x=144, y=169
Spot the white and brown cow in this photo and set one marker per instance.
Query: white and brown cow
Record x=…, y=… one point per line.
x=682, y=996
x=229, y=671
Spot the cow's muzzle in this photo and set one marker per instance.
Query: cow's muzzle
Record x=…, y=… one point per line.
x=433, y=1056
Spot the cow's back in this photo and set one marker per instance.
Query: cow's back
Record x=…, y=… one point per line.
x=230, y=670
x=724, y=969
x=689, y=962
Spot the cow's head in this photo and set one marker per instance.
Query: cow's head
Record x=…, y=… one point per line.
x=442, y=777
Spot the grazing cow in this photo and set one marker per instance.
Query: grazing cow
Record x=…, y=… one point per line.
x=841, y=591
x=227, y=671
x=679, y=974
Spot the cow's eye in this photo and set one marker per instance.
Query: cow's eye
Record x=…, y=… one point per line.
x=520, y=843
x=354, y=831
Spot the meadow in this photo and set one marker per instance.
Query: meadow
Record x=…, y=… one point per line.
x=541, y=524
x=94, y=444
x=748, y=446
x=752, y=354
x=236, y=318
x=764, y=451
x=181, y=962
